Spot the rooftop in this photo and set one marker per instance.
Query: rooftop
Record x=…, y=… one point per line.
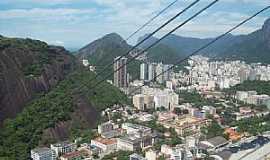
x=62, y=144
x=131, y=138
x=72, y=154
x=105, y=141
x=41, y=150
x=216, y=141
x=135, y=126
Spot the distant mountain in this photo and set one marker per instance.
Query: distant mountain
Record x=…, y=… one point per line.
x=243, y=47
x=163, y=53
x=103, y=51
x=254, y=47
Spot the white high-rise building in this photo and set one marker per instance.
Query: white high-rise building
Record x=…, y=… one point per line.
x=144, y=71
x=167, y=74
x=43, y=154
x=159, y=71
x=120, y=74
x=151, y=71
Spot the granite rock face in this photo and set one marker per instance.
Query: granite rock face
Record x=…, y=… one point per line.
x=266, y=31
x=18, y=86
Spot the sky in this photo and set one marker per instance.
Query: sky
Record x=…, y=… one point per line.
x=75, y=23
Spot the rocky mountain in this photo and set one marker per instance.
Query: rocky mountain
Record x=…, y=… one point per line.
x=243, y=47
x=254, y=47
x=27, y=68
x=105, y=49
x=45, y=97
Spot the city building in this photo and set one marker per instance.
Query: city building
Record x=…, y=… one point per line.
x=144, y=71
x=151, y=155
x=129, y=143
x=215, y=143
x=107, y=146
x=167, y=72
x=136, y=156
x=136, y=129
x=159, y=72
x=162, y=98
x=166, y=116
x=43, y=154
x=120, y=72
x=142, y=102
x=105, y=127
x=138, y=101
x=145, y=117
x=151, y=71
x=76, y=155
x=63, y=148
x=109, y=130
x=186, y=125
x=134, y=142
x=177, y=154
x=209, y=110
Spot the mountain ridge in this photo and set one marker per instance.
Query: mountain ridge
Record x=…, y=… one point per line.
x=103, y=51
x=230, y=45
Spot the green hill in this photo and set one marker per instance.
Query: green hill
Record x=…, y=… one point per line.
x=24, y=132
x=103, y=51
x=163, y=53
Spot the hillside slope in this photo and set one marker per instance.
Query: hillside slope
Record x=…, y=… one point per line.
x=163, y=53
x=27, y=68
x=64, y=112
x=103, y=51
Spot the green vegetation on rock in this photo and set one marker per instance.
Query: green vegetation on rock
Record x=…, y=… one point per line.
x=39, y=49
x=23, y=133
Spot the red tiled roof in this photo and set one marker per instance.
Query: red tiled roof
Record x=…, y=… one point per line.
x=72, y=154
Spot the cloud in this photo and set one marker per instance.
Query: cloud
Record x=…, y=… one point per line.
x=57, y=42
x=43, y=2
x=256, y=2
x=77, y=22
x=42, y=13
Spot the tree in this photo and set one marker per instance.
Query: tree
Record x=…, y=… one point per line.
x=177, y=111
x=213, y=130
